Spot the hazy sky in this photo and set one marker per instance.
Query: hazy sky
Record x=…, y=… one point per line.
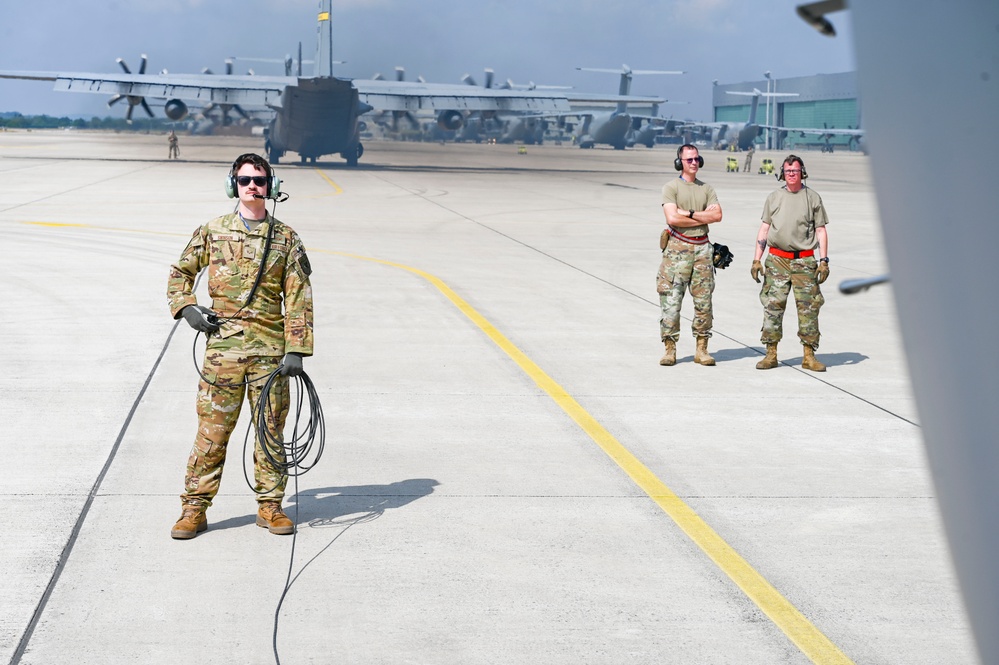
x=524, y=40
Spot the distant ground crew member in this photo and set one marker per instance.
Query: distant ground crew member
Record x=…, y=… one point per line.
x=793, y=227
x=689, y=206
x=260, y=321
x=174, y=145
x=747, y=167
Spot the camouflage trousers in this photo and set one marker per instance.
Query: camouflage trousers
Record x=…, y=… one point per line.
x=218, y=409
x=780, y=277
x=685, y=266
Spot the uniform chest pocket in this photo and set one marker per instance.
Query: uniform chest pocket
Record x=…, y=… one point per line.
x=225, y=248
x=276, y=257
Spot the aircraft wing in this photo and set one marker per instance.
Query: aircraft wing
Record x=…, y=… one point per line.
x=416, y=96
x=266, y=91
x=589, y=97
x=817, y=131
x=205, y=88
x=706, y=125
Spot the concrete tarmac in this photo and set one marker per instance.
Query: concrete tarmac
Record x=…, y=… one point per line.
x=509, y=475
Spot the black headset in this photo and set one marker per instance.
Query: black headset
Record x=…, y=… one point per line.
x=791, y=159
x=678, y=164
x=273, y=182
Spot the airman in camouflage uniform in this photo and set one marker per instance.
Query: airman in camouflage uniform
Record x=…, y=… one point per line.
x=793, y=227
x=174, y=143
x=689, y=206
x=251, y=340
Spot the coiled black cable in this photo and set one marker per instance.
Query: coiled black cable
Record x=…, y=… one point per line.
x=299, y=454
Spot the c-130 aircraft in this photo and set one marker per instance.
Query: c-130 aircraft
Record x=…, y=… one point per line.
x=317, y=115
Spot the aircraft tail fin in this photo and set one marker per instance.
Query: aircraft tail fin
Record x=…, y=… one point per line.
x=324, y=40
x=753, y=108
x=626, y=72
x=756, y=94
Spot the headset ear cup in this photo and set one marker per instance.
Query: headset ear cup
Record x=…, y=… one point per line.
x=677, y=164
x=274, y=187
x=700, y=162
x=230, y=186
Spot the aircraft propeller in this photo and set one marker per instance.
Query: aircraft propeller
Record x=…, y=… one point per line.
x=133, y=100
x=225, y=108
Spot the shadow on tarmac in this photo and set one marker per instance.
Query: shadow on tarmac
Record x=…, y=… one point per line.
x=342, y=506
x=726, y=355
x=831, y=359
x=330, y=506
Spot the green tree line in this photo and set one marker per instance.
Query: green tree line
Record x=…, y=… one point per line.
x=18, y=121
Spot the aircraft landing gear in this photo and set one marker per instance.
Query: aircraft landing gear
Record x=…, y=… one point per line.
x=352, y=155
x=273, y=155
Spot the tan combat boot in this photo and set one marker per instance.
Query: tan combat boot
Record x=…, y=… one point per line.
x=770, y=361
x=669, y=358
x=192, y=522
x=808, y=361
x=270, y=515
x=701, y=356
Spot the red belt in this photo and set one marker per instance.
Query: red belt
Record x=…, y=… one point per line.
x=698, y=240
x=791, y=255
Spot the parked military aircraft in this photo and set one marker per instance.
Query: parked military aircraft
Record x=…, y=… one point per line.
x=615, y=127
x=826, y=134
x=315, y=115
x=740, y=134
x=515, y=127
x=645, y=133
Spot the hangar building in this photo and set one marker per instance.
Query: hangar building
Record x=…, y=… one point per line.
x=824, y=100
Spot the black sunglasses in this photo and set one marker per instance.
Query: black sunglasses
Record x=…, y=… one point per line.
x=258, y=180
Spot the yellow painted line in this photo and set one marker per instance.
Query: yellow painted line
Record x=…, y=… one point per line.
x=337, y=187
x=807, y=637
x=107, y=228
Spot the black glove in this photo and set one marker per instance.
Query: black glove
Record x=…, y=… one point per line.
x=722, y=256
x=291, y=365
x=201, y=319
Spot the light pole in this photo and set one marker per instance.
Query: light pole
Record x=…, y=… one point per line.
x=766, y=142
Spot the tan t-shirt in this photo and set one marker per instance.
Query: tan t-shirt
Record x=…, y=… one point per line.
x=793, y=218
x=696, y=196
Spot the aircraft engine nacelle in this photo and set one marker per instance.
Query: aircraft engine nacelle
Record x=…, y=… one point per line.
x=175, y=109
x=450, y=120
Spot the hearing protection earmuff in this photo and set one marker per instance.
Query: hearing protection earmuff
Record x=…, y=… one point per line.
x=791, y=159
x=678, y=164
x=273, y=182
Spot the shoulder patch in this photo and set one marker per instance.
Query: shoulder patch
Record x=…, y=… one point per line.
x=303, y=261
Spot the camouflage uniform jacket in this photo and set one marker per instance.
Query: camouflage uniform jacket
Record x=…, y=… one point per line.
x=232, y=256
